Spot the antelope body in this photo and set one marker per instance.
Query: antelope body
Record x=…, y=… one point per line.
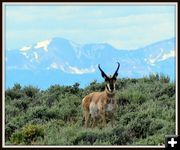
x=101, y=105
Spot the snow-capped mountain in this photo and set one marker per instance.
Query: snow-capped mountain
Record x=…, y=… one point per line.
x=60, y=61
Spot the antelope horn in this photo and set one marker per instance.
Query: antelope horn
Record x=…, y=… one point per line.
x=116, y=72
x=102, y=73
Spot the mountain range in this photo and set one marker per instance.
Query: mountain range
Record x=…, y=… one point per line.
x=64, y=62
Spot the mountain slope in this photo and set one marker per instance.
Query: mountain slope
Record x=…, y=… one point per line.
x=60, y=61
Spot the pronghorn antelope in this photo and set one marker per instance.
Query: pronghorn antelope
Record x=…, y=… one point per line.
x=101, y=105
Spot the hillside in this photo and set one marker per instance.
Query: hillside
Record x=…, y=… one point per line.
x=63, y=62
x=146, y=113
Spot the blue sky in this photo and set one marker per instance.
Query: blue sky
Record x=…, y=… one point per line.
x=123, y=26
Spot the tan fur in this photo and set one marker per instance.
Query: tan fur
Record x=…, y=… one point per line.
x=99, y=106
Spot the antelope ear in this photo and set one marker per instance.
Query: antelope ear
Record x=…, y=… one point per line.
x=106, y=78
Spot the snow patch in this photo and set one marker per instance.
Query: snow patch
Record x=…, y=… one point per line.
x=54, y=66
x=168, y=55
x=76, y=70
x=25, y=54
x=71, y=69
x=152, y=59
x=74, y=45
x=25, y=48
x=24, y=67
x=36, y=56
x=77, y=48
x=43, y=44
x=161, y=57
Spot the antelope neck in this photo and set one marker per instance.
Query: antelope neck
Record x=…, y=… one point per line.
x=110, y=97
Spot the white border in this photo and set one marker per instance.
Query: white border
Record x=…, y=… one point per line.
x=83, y=4
x=89, y=3
x=176, y=34
x=3, y=77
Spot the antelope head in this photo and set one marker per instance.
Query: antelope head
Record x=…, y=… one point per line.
x=110, y=80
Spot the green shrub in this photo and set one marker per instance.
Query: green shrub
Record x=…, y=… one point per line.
x=164, y=79
x=17, y=138
x=167, y=89
x=31, y=132
x=155, y=126
x=131, y=96
x=13, y=94
x=120, y=136
x=86, y=138
x=139, y=127
x=145, y=114
x=9, y=129
x=27, y=135
x=157, y=139
x=11, y=111
x=30, y=91
x=21, y=104
x=41, y=113
x=69, y=107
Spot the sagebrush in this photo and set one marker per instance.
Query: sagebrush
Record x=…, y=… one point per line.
x=146, y=113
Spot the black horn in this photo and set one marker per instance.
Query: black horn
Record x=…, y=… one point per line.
x=102, y=73
x=116, y=72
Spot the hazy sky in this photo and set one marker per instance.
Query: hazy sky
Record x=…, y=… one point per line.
x=123, y=26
